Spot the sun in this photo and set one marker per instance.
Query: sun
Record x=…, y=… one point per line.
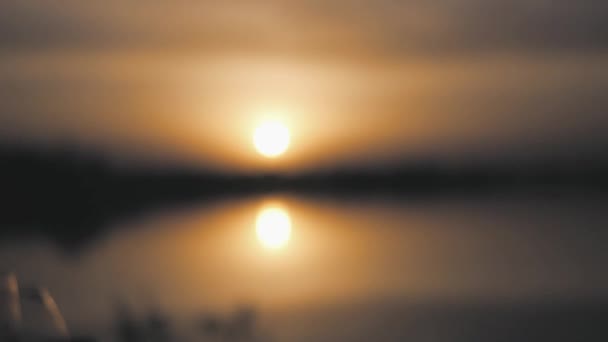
x=271, y=139
x=273, y=227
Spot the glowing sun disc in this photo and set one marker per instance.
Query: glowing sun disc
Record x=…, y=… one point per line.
x=271, y=139
x=273, y=228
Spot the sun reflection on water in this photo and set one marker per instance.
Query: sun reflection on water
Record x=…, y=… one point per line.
x=273, y=227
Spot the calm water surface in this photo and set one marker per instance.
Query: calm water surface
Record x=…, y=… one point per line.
x=336, y=270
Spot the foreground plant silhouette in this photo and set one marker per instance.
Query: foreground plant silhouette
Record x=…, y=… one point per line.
x=240, y=326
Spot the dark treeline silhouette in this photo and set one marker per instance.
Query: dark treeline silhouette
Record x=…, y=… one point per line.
x=63, y=191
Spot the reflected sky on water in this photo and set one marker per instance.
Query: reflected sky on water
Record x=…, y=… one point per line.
x=288, y=254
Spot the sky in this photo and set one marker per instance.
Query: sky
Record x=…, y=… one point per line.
x=358, y=82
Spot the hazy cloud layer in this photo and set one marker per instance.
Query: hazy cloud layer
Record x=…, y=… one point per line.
x=394, y=28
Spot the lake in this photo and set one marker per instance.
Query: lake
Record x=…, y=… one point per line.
x=527, y=268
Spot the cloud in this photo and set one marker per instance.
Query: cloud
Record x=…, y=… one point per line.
x=333, y=27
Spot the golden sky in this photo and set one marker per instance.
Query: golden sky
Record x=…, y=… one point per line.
x=356, y=81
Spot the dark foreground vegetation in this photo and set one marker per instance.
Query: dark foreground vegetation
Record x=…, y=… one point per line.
x=535, y=321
